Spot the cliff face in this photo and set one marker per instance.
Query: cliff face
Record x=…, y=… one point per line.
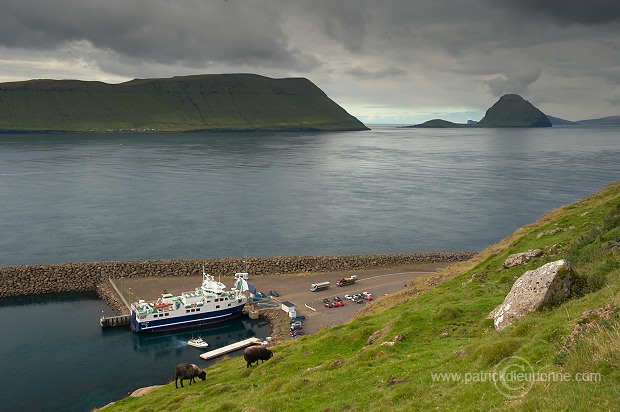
x=227, y=102
x=511, y=110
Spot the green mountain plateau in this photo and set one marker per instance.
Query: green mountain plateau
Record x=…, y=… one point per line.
x=431, y=346
x=222, y=102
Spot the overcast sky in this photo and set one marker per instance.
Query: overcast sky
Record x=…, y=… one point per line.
x=389, y=61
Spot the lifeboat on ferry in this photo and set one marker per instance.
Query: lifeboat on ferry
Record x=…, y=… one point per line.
x=160, y=305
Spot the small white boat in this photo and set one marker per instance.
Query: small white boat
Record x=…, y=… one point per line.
x=197, y=342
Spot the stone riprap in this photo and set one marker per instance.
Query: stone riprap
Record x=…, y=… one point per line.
x=91, y=276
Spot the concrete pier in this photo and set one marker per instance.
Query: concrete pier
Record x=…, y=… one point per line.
x=230, y=348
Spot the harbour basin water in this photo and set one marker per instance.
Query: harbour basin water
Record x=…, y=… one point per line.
x=56, y=357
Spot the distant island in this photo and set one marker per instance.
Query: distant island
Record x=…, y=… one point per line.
x=211, y=102
x=511, y=110
x=602, y=121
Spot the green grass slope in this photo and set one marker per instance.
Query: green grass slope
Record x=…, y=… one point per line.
x=226, y=102
x=444, y=351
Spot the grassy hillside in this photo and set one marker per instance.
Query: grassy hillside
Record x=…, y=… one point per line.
x=444, y=349
x=242, y=102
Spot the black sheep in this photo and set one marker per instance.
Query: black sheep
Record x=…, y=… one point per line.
x=188, y=371
x=255, y=354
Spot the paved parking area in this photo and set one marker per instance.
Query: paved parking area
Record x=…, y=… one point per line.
x=296, y=289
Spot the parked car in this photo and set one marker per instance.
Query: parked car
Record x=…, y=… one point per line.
x=339, y=303
x=298, y=318
x=350, y=297
x=368, y=297
x=297, y=323
x=274, y=293
x=325, y=301
x=366, y=293
x=337, y=298
x=296, y=327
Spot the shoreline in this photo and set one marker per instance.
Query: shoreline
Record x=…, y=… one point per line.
x=293, y=288
x=92, y=276
x=278, y=319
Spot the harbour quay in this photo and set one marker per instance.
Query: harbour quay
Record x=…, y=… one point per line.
x=94, y=276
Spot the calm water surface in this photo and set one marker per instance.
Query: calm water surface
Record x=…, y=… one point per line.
x=100, y=197
x=69, y=198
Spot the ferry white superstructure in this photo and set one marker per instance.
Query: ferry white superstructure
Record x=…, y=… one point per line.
x=210, y=303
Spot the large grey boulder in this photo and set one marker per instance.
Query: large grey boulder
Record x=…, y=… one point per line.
x=521, y=258
x=534, y=289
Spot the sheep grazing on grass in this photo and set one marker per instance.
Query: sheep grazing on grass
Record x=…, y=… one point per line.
x=255, y=354
x=188, y=371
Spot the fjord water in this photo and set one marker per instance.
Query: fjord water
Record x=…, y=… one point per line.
x=102, y=197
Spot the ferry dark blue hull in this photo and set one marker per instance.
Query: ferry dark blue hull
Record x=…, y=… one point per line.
x=186, y=321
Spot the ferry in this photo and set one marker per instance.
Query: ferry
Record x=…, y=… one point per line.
x=210, y=303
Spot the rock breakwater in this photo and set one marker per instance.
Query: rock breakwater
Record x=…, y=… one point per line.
x=90, y=276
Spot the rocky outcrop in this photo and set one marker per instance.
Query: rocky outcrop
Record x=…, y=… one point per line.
x=589, y=321
x=549, y=232
x=533, y=290
x=512, y=110
x=521, y=258
x=87, y=277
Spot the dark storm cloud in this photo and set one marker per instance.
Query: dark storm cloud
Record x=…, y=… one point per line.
x=259, y=33
x=376, y=74
x=570, y=11
x=513, y=83
x=189, y=31
x=393, y=53
x=344, y=21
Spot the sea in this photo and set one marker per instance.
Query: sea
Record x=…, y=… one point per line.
x=134, y=196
